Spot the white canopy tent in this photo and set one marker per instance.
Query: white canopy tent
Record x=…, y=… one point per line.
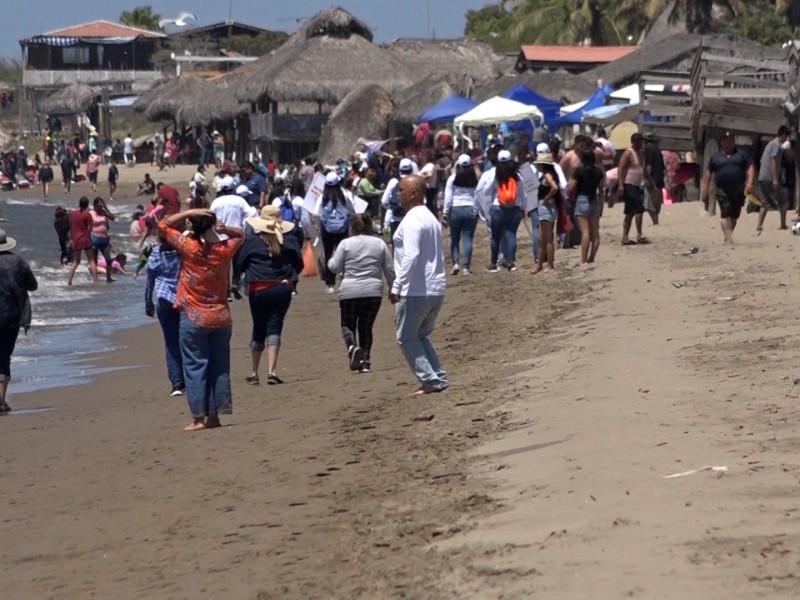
x=495, y=111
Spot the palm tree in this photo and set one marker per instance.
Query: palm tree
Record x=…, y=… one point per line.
x=588, y=22
x=142, y=17
x=697, y=14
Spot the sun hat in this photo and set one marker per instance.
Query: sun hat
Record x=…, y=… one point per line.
x=464, y=160
x=544, y=158
x=244, y=191
x=406, y=165
x=332, y=179
x=269, y=221
x=6, y=241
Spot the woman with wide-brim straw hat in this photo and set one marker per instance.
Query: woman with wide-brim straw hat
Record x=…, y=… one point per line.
x=270, y=260
x=548, y=210
x=16, y=280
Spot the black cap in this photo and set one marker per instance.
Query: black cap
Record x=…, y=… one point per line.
x=726, y=134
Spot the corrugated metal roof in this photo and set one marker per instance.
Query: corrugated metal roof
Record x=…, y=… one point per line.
x=576, y=54
x=103, y=29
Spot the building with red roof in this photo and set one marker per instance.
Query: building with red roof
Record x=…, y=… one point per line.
x=573, y=59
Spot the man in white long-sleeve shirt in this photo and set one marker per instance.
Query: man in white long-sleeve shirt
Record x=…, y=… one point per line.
x=419, y=286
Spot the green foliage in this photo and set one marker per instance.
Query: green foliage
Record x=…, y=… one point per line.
x=142, y=17
x=264, y=43
x=10, y=70
x=760, y=22
x=491, y=25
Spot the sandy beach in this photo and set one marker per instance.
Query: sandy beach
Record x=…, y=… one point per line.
x=540, y=473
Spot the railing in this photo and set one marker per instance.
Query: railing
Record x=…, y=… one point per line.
x=138, y=80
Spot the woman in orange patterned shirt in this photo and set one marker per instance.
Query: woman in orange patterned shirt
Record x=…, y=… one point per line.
x=205, y=328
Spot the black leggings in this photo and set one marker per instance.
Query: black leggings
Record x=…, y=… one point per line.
x=8, y=339
x=359, y=314
x=329, y=243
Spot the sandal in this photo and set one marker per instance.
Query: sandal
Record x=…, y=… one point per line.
x=642, y=240
x=273, y=379
x=628, y=243
x=252, y=379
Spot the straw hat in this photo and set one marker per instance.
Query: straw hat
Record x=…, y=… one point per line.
x=544, y=158
x=6, y=242
x=269, y=221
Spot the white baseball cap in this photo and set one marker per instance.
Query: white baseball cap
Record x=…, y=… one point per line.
x=504, y=156
x=244, y=191
x=227, y=183
x=464, y=160
x=542, y=147
x=332, y=179
x=406, y=165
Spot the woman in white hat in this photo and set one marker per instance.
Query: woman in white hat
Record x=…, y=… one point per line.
x=549, y=195
x=461, y=211
x=333, y=211
x=508, y=206
x=270, y=259
x=16, y=280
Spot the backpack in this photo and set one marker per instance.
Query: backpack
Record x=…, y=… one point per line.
x=335, y=219
x=287, y=210
x=507, y=192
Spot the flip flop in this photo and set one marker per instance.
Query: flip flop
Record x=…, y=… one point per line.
x=628, y=243
x=643, y=240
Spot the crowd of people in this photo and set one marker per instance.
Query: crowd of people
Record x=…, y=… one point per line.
x=377, y=222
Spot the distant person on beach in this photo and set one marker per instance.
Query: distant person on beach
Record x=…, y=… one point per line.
x=419, y=286
x=129, y=151
x=117, y=264
x=169, y=197
x=734, y=177
x=461, y=212
x=80, y=226
x=16, y=280
x=46, y=178
x=92, y=170
x=66, y=161
x=364, y=262
x=202, y=297
x=61, y=225
x=113, y=177
x=163, y=267
x=586, y=185
x=270, y=258
x=773, y=195
x=231, y=208
x=508, y=204
x=334, y=212
x=147, y=187
x=101, y=240
x=654, y=169
x=632, y=179
x=549, y=197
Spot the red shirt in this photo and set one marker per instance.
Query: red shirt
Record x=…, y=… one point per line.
x=204, y=278
x=80, y=224
x=170, y=198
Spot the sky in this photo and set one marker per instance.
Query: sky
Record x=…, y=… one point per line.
x=389, y=19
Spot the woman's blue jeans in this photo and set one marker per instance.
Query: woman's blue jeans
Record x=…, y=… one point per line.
x=462, y=226
x=503, y=223
x=206, y=368
x=170, y=319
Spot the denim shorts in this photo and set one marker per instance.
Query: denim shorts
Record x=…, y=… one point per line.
x=548, y=213
x=586, y=208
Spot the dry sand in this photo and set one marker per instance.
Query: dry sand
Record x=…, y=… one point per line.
x=538, y=474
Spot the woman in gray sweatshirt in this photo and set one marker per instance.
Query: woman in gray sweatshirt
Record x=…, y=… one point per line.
x=365, y=261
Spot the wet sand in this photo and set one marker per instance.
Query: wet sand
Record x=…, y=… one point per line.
x=539, y=473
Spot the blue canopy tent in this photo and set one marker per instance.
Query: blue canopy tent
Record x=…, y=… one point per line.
x=597, y=100
x=549, y=108
x=447, y=110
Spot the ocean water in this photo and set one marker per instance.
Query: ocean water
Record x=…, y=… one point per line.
x=72, y=326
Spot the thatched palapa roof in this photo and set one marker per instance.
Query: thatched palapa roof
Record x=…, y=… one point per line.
x=363, y=113
x=219, y=103
x=556, y=85
x=411, y=102
x=440, y=57
x=163, y=101
x=72, y=99
x=322, y=62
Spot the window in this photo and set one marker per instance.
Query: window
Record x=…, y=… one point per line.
x=76, y=55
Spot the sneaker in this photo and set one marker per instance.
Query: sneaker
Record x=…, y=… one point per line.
x=236, y=293
x=493, y=269
x=365, y=367
x=252, y=379
x=467, y=272
x=177, y=390
x=273, y=379
x=330, y=289
x=356, y=355
x=511, y=267
x=455, y=270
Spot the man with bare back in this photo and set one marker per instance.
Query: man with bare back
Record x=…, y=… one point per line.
x=631, y=177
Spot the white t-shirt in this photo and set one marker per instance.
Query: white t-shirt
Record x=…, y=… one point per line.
x=233, y=210
x=128, y=145
x=419, y=255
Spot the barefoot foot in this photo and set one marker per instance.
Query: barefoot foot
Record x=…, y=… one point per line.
x=196, y=425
